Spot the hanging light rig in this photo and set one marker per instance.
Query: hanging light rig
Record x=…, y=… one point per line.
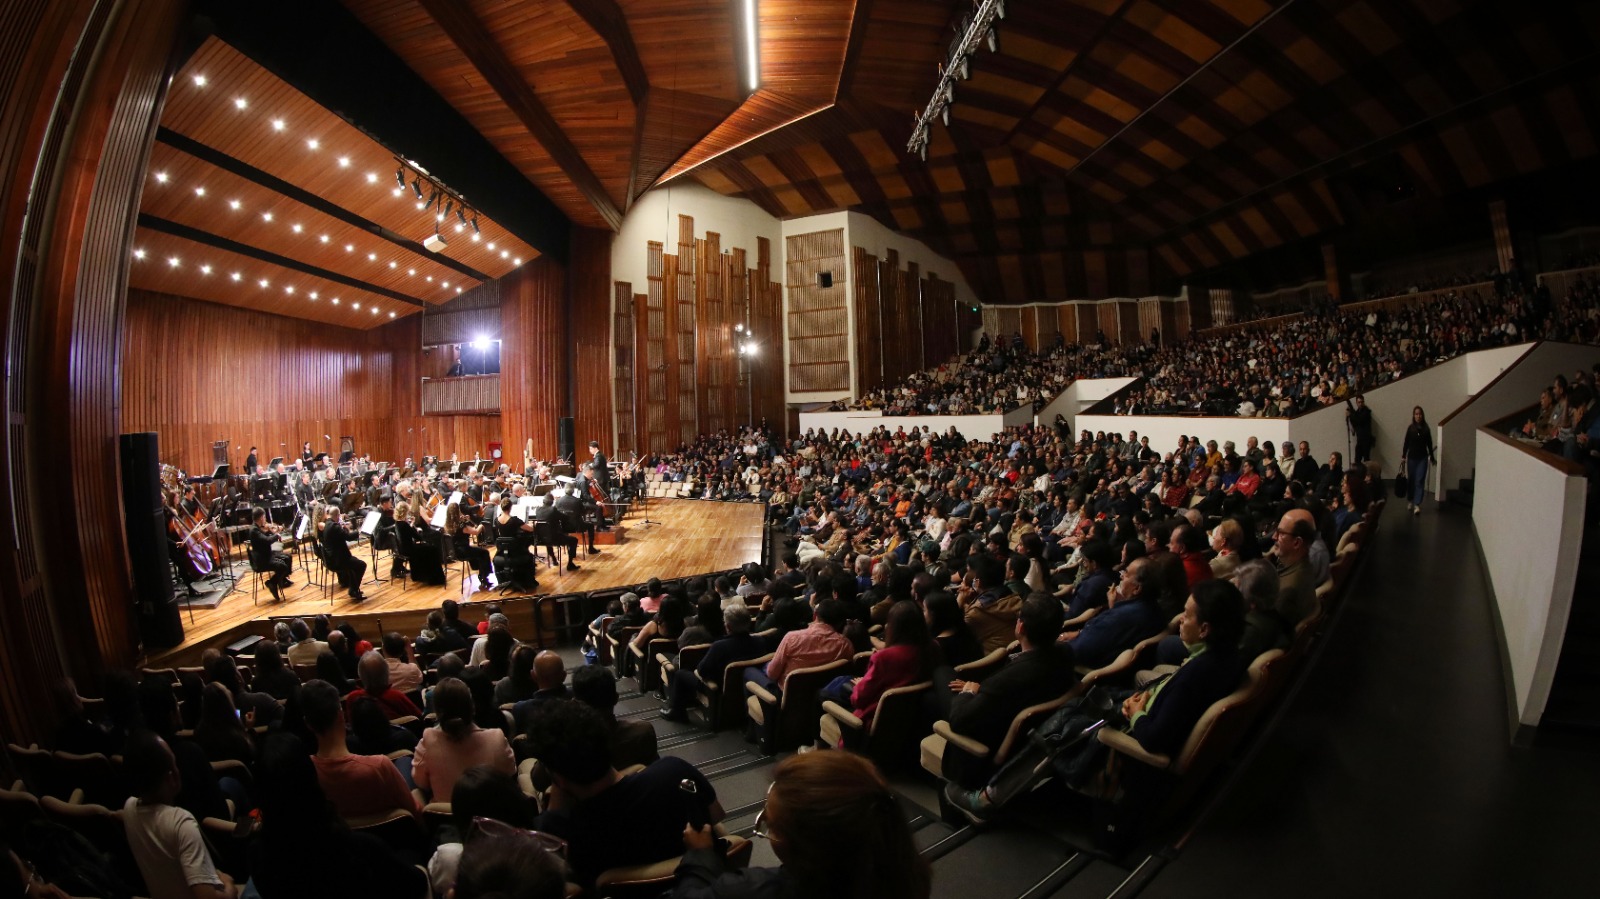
x=977, y=28
x=438, y=200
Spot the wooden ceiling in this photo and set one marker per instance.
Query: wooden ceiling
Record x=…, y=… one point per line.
x=249, y=176
x=1108, y=146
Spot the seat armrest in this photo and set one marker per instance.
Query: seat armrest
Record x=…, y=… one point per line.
x=1130, y=747
x=844, y=716
x=663, y=661
x=706, y=685
x=964, y=743
x=760, y=692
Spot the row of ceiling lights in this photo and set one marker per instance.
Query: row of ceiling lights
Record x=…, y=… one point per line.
x=455, y=205
x=206, y=269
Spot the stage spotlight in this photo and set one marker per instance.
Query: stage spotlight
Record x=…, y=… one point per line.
x=475, y=223
x=416, y=187
x=993, y=40
x=461, y=215
x=400, y=176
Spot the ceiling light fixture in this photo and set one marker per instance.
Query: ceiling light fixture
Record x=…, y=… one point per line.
x=205, y=269
x=391, y=315
x=355, y=305
x=752, y=40
x=976, y=27
x=314, y=144
x=161, y=177
x=288, y=288
x=138, y=254
x=172, y=261
x=199, y=191
x=335, y=301
x=416, y=185
x=234, y=204
x=236, y=276
x=349, y=248
x=313, y=294
x=240, y=103
x=297, y=229
x=278, y=125
x=267, y=216
x=199, y=81
x=373, y=257
x=263, y=282
x=324, y=238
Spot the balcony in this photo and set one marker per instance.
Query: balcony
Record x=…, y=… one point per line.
x=471, y=395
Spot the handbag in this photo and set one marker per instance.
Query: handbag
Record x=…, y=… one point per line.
x=1402, y=483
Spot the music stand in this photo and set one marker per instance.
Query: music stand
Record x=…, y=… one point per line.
x=275, y=462
x=351, y=502
x=220, y=472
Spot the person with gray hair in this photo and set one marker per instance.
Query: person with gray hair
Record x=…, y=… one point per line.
x=1264, y=628
x=304, y=650
x=480, y=646
x=738, y=646
x=373, y=671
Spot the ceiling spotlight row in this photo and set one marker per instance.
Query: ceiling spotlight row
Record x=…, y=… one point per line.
x=175, y=262
x=978, y=26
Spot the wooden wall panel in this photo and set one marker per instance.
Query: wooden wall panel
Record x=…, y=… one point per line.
x=591, y=367
x=1088, y=322
x=533, y=356
x=1128, y=322
x=817, y=327
x=1030, y=327
x=1107, y=321
x=938, y=321
x=622, y=377
x=412, y=433
x=766, y=316
x=869, y=323
x=714, y=337
x=688, y=417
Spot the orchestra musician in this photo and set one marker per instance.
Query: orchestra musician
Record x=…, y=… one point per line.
x=305, y=453
x=250, y=462
x=514, y=559
x=385, y=537
x=263, y=534
x=555, y=529
x=572, y=509
x=461, y=532
x=419, y=545
x=338, y=558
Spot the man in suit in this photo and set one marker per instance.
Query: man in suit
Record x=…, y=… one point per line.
x=602, y=472
x=984, y=710
x=548, y=518
x=571, y=508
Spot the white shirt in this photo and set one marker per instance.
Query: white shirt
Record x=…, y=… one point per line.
x=166, y=843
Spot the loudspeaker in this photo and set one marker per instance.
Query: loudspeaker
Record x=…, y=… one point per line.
x=824, y=279
x=564, y=443
x=145, y=523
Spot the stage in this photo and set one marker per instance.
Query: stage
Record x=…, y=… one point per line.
x=692, y=537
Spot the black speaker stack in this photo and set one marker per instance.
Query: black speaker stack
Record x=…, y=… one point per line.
x=144, y=517
x=564, y=445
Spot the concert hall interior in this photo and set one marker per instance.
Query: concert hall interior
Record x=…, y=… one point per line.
x=358, y=307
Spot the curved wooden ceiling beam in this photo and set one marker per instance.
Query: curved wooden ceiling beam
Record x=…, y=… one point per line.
x=478, y=46
x=607, y=20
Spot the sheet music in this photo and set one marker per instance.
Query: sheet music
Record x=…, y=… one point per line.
x=524, y=509
x=370, y=525
x=305, y=525
x=455, y=497
x=438, y=515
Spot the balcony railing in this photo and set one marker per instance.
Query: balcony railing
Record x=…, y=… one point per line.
x=472, y=395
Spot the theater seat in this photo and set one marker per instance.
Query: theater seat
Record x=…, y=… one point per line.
x=650, y=881
x=890, y=739
x=784, y=722
x=724, y=702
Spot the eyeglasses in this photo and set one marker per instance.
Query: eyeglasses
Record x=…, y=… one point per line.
x=495, y=828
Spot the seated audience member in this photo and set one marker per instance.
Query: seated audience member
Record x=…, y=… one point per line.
x=305, y=648
x=1160, y=716
x=1134, y=614
x=456, y=743
x=404, y=675
x=221, y=731
x=1318, y=556
x=819, y=644
x=519, y=683
x=906, y=658
x=1297, y=589
x=493, y=649
x=550, y=676
x=632, y=742
x=1040, y=672
x=1264, y=627
x=990, y=609
x=633, y=616
x=271, y=676
x=1226, y=539
x=452, y=620
x=955, y=642
x=370, y=730
x=303, y=850
x=330, y=671
x=77, y=733
x=438, y=637
x=1087, y=597
x=481, y=792
x=165, y=839
x=834, y=824
x=611, y=821
x=667, y=623
x=508, y=864
x=706, y=626
x=738, y=646
x=357, y=785
x=1189, y=544
x=374, y=671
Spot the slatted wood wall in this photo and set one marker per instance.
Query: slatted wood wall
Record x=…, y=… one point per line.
x=590, y=268
x=869, y=322
x=900, y=295
x=272, y=382
x=623, y=371
x=533, y=357
x=686, y=378
x=817, y=326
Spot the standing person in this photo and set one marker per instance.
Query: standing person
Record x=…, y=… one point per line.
x=1360, y=419
x=1416, y=453
x=601, y=472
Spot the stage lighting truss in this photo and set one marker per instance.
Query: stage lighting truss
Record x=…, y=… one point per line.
x=434, y=198
x=977, y=28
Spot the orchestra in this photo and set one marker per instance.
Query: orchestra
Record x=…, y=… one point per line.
x=438, y=511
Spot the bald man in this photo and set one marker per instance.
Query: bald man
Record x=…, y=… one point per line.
x=1319, y=557
x=550, y=673
x=1297, y=592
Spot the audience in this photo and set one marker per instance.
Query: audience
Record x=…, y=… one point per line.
x=357, y=785
x=456, y=743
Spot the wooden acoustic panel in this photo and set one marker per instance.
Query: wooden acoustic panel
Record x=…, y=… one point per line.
x=766, y=317
x=869, y=323
x=191, y=192
x=533, y=356
x=938, y=321
x=817, y=326
x=286, y=292
x=622, y=377
x=591, y=339
x=208, y=113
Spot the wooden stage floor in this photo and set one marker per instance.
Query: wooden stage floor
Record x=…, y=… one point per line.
x=692, y=537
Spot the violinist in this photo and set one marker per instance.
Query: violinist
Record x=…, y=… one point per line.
x=264, y=558
x=420, y=547
x=386, y=536
x=337, y=556
x=461, y=532
x=513, y=558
